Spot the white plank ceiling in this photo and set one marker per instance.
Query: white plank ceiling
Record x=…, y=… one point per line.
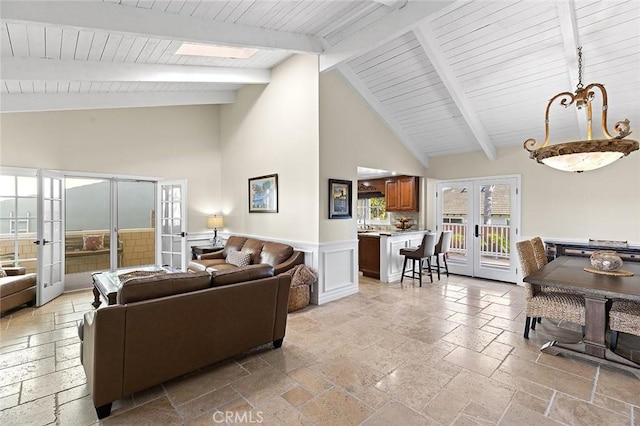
x=445, y=76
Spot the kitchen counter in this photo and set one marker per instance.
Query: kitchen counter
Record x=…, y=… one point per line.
x=379, y=252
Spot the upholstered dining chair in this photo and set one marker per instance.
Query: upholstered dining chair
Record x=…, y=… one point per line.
x=420, y=253
x=624, y=317
x=442, y=247
x=542, y=304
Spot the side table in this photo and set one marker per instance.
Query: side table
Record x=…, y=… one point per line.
x=198, y=250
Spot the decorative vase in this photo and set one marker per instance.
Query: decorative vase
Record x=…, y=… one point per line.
x=606, y=260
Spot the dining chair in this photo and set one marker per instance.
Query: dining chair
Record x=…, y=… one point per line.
x=546, y=304
x=442, y=247
x=423, y=251
x=539, y=252
x=624, y=317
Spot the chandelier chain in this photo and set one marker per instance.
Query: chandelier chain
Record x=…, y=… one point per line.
x=580, y=86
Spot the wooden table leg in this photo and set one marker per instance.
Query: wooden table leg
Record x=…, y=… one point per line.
x=596, y=323
x=96, y=297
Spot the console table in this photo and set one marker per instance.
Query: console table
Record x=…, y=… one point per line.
x=106, y=284
x=567, y=248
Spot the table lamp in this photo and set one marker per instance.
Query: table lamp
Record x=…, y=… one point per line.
x=215, y=222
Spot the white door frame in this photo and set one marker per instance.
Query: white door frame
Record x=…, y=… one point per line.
x=171, y=225
x=473, y=266
x=50, y=237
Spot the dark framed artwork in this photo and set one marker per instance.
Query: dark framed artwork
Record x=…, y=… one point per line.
x=340, y=199
x=263, y=194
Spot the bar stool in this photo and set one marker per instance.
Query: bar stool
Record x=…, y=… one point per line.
x=442, y=247
x=425, y=250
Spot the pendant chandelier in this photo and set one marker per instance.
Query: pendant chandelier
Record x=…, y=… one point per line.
x=585, y=155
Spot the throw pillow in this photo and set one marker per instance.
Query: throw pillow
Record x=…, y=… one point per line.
x=2, y=273
x=92, y=242
x=238, y=258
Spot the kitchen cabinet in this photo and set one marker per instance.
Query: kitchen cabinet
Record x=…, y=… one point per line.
x=369, y=255
x=401, y=194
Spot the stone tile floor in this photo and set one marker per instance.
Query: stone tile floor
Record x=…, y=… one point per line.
x=450, y=352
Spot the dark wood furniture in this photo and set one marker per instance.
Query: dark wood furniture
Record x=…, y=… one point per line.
x=567, y=272
x=401, y=194
x=106, y=284
x=564, y=248
x=369, y=255
x=198, y=250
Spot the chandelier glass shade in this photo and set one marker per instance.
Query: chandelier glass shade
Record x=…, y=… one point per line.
x=589, y=154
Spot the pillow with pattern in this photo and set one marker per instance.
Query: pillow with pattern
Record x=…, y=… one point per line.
x=238, y=258
x=2, y=273
x=92, y=242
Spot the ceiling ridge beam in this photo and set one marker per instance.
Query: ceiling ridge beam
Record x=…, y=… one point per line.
x=396, y=23
x=370, y=99
x=12, y=68
x=442, y=67
x=30, y=102
x=569, y=30
x=142, y=22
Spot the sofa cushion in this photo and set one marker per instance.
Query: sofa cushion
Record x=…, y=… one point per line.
x=238, y=258
x=144, y=288
x=275, y=253
x=237, y=275
x=234, y=243
x=14, y=284
x=254, y=248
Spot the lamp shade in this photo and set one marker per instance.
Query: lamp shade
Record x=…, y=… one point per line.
x=214, y=222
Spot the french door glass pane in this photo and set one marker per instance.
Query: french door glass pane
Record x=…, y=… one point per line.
x=87, y=233
x=455, y=202
x=136, y=223
x=495, y=215
x=18, y=221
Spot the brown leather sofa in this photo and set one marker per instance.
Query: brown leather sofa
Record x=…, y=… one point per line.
x=281, y=256
x=165, y=326
x=17, y=288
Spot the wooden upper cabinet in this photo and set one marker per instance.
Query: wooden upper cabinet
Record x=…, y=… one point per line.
x=401, y=193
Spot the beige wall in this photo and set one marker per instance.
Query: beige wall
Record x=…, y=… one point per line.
x=167, y=142
x=351, y=136
x=274, y=129
x=601, y=204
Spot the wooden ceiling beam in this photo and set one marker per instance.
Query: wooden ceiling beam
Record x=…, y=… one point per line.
x=12, y=68
x=29, y=102
x=569, y=29
x=440, y=63
x=370, y=99
x=111, y=17
x=393, y=25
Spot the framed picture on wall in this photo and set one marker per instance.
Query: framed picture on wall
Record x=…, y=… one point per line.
x=340, y=199
x=263, y=194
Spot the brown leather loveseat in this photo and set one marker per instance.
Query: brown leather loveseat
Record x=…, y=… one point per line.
x=281, y=256
x=165, y=326
x=17, y=288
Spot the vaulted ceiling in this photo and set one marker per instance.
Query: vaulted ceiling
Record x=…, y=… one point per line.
x=445, y=76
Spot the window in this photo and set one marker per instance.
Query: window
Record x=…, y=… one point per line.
x=372, y=211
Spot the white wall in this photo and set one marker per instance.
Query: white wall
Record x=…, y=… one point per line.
x=600, y=204
x=351, y=135
x=167, y=142
x=274, y=129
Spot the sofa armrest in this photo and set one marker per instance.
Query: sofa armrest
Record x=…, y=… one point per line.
x=214, y=255
x=103, y=353
x=15, y=270
x=297, y=258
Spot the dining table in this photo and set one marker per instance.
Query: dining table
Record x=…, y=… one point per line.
x=598, y=289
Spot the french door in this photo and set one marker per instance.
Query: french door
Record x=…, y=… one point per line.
x=50, y=236
x=484, y=216
x=172, y=224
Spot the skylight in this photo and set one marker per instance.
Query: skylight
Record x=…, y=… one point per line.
x=210, y=50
